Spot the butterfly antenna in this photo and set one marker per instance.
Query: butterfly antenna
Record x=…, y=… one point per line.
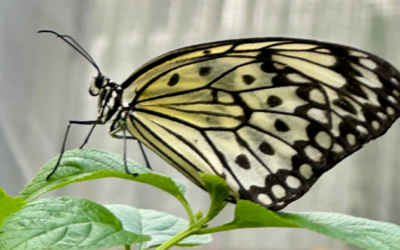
x=76, y=46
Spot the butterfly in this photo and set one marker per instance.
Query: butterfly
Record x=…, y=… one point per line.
x=268, y=115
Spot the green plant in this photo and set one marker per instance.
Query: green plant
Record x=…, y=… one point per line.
x=76, y=223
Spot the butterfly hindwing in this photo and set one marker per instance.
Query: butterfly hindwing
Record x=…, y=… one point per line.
x=268, y=115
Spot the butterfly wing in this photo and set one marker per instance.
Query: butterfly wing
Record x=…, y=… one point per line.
x=270, y=116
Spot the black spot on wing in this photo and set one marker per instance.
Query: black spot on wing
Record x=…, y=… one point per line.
x=173, y=80
x=242, y=161
x=281, y=126
x=248, y=79
x=204, y=71
x=266, y=148
x=274, y=101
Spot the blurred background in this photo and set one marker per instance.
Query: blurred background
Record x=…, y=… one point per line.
x=44, y=83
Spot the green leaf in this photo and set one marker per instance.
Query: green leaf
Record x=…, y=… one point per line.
x=164, y=183
x=88, y=164
x=160, y=226
x=218, y=190
x=65, y=223
x=249, y=214
x=9, y=205
x=367, y=234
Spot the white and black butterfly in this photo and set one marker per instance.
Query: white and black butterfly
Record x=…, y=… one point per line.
x=269, y=115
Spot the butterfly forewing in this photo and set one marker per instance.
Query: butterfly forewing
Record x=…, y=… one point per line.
x=270, y=116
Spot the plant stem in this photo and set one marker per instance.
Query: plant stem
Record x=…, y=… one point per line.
x=127, y=247
x=177, y=238
x=143, y=247
x=188, y=210
x=217, y=204
x=217, y=229
x=192, y=229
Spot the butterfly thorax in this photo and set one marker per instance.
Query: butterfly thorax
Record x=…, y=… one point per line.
x=109, y=100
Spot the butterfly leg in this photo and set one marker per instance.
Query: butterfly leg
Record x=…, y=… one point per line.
x=65, y=141
x=144, y=155
x=124, y=137
x=88, y=136
x=125, y=164
x=140, y=145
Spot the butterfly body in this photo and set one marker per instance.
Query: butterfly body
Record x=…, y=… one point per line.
x=269, y=115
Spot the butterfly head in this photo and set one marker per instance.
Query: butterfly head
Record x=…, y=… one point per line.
x=99, y=82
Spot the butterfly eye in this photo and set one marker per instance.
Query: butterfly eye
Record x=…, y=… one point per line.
x=97, y=83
